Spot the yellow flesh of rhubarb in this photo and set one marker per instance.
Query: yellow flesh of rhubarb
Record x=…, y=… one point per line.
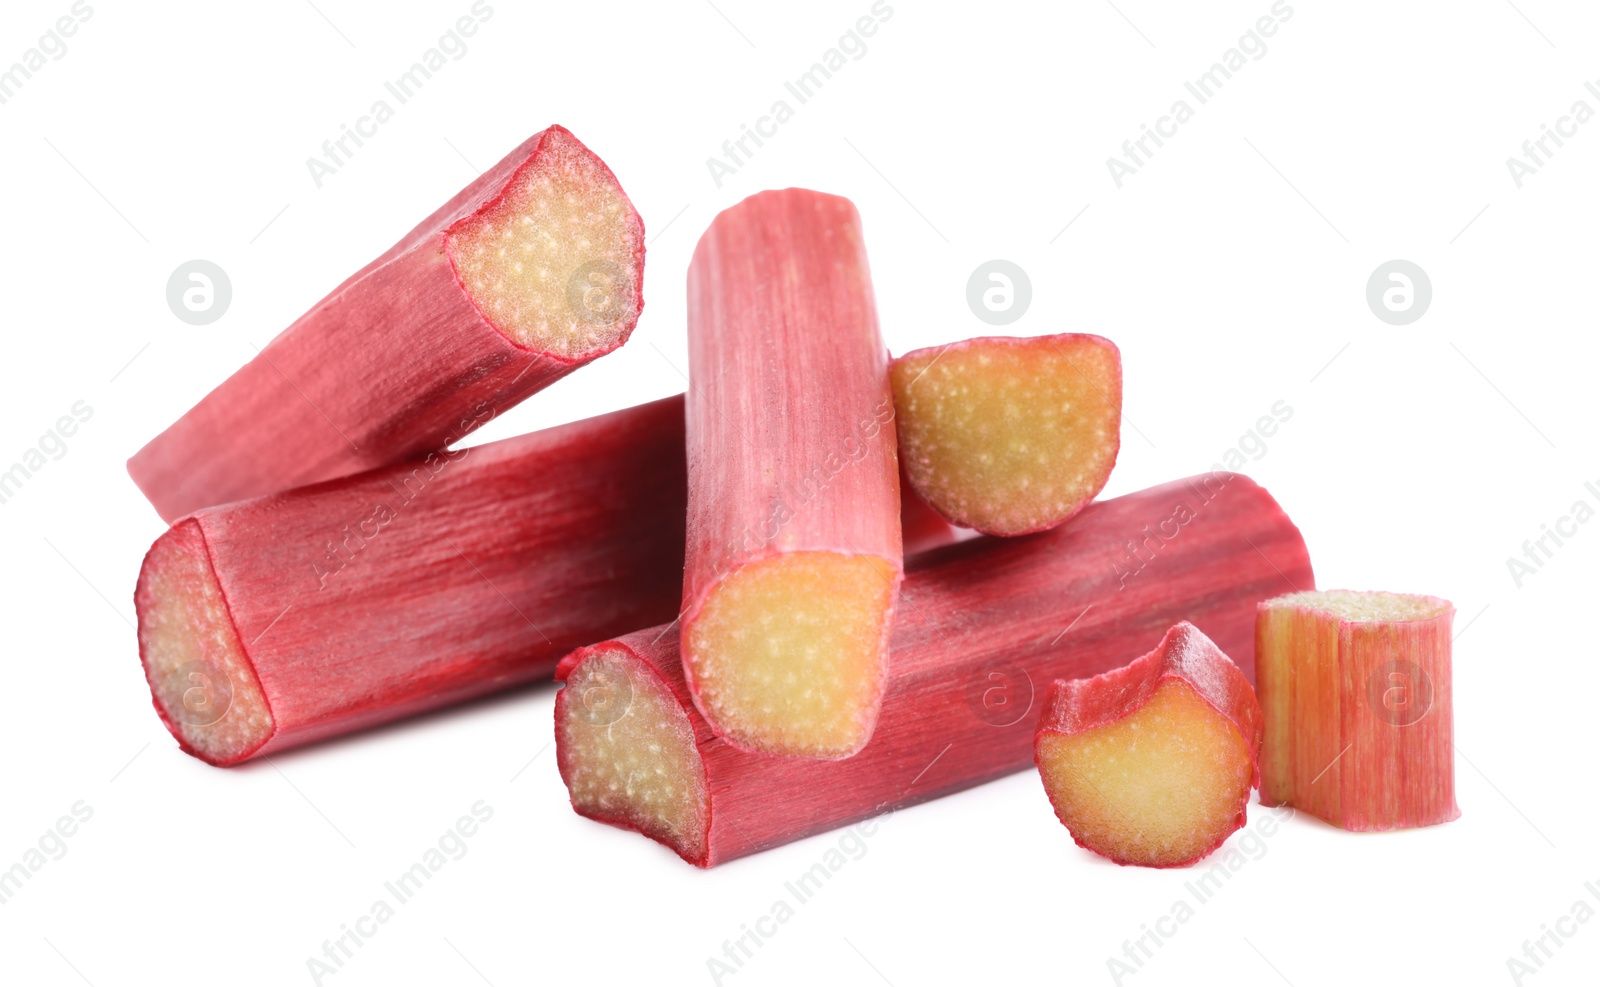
x=788, y=653
x=1363, y=606
x=551, y=264
x=1009, y=438
x=630, y=754
x=1154, y=788
x=192, y=653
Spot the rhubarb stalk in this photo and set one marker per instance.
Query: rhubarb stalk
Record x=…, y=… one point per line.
x=1356, y=694
x=530, y=272
x=794, y=551
x=1153, y=763
x=1007, y=435
x=313, y=613
x=982, y=625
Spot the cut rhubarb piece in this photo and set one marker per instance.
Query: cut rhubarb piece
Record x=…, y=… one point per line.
x=983, y=626
x=1152, y=763
x=309, y=614
x=530, y=272
x=1355, y=692
x=1007, y=435
x=794, y=552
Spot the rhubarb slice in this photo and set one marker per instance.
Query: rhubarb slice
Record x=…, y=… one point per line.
x=794, y=553
x=982, y=627
x=1152, y=763
x=530, y=272
x=317, y=612
x=1356, y=695
x=1008, y=435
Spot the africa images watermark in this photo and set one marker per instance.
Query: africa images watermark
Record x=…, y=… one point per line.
x=1536, y=152
x=851, y=46
x=1253, y=443
x=1538, y=551
x=1541, y=949
x=852, y=845
x=452, y=845
x=51, y=846
x=51, y=46
x=792, y=498
x=199, y=292
x=1251, y=46
x=452, y=46
x=1249, y=847
x=407, y=488
x=52, y=444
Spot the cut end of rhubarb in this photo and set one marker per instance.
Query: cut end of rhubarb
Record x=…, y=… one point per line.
x=627, y=752
x=1154, y=788
x=1363, y=607
x=202, y=683
x=788, y=655
x=556, y=262
x=1152, y=764
x=1010, y=435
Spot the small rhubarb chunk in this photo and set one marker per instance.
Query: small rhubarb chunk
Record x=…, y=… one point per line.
x=626, y=751
x=1009, y=435
x=1152, y=763
x=1356, y=695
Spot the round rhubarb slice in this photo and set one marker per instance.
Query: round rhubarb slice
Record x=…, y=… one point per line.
x=1007, y=435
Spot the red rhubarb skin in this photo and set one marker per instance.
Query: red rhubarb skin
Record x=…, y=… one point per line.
x=1026, y=341
x=1424, y=793
x=1382, y=776
x=1186, y=655
x=384, y=368
x=791, y=440
x=922, y=528
x=503, y=560
x=997, y=618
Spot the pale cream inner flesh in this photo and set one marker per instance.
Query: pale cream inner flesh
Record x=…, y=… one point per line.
x=551, y=264
x=629, y=752
x=1364, y=606
x=1155, y=787
x=197, y=669
x=788, y=652
x=1009, y=437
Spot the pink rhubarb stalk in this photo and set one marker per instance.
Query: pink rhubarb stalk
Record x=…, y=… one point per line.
x=794, y=551
x=309, y=614
x=983, y=627
x=530, y=272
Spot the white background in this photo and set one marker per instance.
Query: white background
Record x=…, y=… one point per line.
x=1231, y=270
